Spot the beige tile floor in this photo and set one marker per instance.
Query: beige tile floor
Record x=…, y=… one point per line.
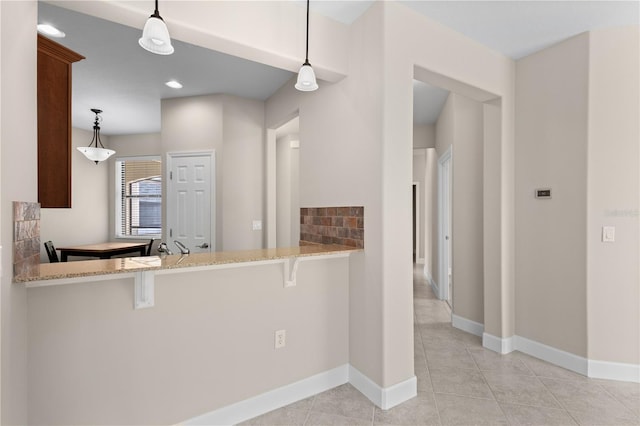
x=461, y=383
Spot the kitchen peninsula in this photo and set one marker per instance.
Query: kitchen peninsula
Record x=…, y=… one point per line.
x=48, y=272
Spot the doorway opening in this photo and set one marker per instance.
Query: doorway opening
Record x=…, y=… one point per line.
x=282, y=183
x=469, y=123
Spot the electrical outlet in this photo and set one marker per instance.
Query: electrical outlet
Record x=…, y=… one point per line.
x=280, y=339
x=257, y=225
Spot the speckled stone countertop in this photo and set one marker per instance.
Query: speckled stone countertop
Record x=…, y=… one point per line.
x=87, y=268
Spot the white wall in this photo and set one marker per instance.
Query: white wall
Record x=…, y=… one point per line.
x=551, y=152
x=234, y=128
x=87, y=221
x=207, y=342
x=613, y=159
x=18, y=155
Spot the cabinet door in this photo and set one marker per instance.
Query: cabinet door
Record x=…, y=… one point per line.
x=54, y=123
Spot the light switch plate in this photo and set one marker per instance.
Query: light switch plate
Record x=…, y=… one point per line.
x=608, y=234
x=257, y=225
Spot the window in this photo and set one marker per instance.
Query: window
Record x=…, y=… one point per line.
x=138, y=197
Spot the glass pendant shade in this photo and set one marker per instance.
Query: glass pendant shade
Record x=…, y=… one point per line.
x=306, y=79
x=155, y=36
x=96, y=154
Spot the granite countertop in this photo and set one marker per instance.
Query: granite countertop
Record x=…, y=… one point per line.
x=86, y=268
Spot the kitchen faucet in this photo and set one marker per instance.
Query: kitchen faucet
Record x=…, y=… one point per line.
x=182, y=247
x=162, y=248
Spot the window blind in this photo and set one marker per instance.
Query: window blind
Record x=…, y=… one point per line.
x=140, y=193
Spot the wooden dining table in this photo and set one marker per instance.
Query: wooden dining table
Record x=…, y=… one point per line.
x=103, y=250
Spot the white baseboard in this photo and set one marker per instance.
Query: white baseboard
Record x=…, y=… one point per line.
x=268, y=401
x=614, y=371
x=497, y=344
x=384, y=398
x=467, y=325
x=550, y=354
x=581, y=365
x=432, y=283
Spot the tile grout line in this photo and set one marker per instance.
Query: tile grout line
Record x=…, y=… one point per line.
x=495, y=398
x=306, y=419
x=556, y=398
x=435, y=400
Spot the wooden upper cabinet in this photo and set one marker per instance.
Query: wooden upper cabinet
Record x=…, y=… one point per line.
x=54, y=123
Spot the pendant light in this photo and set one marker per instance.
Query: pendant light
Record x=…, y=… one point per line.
x=96, y=153
x=306, y=77
x=155, y=35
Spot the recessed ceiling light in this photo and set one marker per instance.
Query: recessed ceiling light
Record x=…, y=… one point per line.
x=50, y=30
x=174, y=84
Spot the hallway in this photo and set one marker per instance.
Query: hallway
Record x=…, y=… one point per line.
x=461, y=383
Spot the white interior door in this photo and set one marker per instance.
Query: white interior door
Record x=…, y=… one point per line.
x=190, y=212
x=445, y=278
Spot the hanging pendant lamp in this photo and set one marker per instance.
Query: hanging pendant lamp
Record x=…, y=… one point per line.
x=155, y=35
x=96, y=153
x=306, y=77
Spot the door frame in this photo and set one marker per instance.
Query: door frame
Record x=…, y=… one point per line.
x=212, y=196
x=444, y=217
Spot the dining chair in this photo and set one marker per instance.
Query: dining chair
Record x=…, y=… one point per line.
x=149, y=247
x=51, y=252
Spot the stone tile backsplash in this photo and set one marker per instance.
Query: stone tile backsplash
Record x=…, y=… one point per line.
x=332, y=225
x=26, y=236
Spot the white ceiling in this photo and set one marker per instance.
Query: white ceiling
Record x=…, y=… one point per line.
x=128, y=83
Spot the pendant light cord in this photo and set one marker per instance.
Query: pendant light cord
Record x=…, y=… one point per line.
x=156, y=13
x=306, y=54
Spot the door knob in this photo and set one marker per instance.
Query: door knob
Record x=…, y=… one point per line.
x=203, y=245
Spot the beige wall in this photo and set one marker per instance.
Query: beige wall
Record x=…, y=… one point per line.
x=444, y=135
x=431, y=213
x=18, y=134
x=208, y=342
x=498, y=302
x=366, y=116
x=87, y=221
x=467, y=215
x=551, y=152
x=613, y=158
x=419, y=174
x=424, y=135
x=242, y=165
x=344, y=118
x=234, y=128
x=460, y=126
x=287, y=193
x=338, y=124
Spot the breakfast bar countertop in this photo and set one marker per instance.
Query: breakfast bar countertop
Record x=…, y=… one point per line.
x=88, y=268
